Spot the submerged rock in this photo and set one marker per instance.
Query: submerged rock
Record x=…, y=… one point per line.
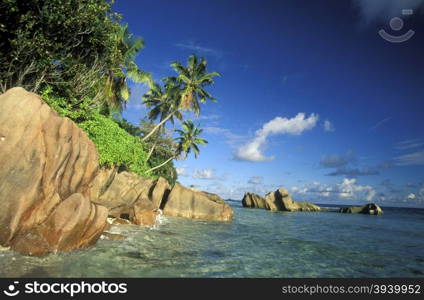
x=279, y=200
x=47, y=164
x=189, y=203
x=368, y=209
x=119, y=221
x=113, y=236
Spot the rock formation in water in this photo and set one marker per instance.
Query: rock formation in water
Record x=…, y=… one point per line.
x=254, y=201
x=368, y=209
x=190, y=203
x=54, y=197
x=279, y=200
x=128, y=195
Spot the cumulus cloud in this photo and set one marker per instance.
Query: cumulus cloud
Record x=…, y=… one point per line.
x=182, y=171
x=256, y=180
x=328, y=126
x=348, y=189
x=411, y=196
x=337, y=160
x=204, y=174
x=372, y=10
x=252, y=151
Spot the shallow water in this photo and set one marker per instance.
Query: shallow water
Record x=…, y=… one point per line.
x=257, y=243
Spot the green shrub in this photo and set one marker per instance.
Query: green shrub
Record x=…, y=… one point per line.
x=116, y=146
x=77, y=110
x=117, y=141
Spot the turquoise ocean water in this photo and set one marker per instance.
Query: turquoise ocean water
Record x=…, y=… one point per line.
x=257, y=243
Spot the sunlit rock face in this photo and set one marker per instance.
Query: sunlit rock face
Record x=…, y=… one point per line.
x=47, y=164
x=254, y=201
x=54, y=197
x=279, y=200
x=190, y=203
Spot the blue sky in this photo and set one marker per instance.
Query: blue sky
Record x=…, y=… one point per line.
x=311, y=97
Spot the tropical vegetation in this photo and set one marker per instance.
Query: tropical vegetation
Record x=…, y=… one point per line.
x=81, y=58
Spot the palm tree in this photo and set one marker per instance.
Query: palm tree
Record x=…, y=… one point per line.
x=187, y=141
x=193, y=79
x=116, y=90
x=164, y=104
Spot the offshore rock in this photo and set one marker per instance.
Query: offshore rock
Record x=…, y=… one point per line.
x=368, y=209
x=189, y=203
x=279, y=200
x=254, y=201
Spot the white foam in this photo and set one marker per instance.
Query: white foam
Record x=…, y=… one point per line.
x=160, y=220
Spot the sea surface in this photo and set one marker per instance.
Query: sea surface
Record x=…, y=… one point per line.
x=257, y=243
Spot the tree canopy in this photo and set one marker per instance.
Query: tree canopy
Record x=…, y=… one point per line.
x=80, y=58
x=78, y=48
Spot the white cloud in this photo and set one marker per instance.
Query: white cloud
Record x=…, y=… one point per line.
x=204, y=174
x=348, y=189
x=256, y=180
x=328, y=126
x=182, y=171
x=252, y=151
x=209, y=117
x=411, y=159
x=411, y=196
x=409, y=144
x=372, y=10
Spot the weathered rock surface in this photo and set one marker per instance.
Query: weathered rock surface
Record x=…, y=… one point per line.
x=47, y=164
x=113, y=236
x=75, y=223
x=280, y=200
x=130, y=196
x=189, y=203
x=54, y=197
x=368, y=209
x=160, y=192
x=121, y=194
x=254, y=201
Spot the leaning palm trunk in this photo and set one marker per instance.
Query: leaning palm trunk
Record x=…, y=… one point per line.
x=161, y=165
x=158, y=126
x=151, y=152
